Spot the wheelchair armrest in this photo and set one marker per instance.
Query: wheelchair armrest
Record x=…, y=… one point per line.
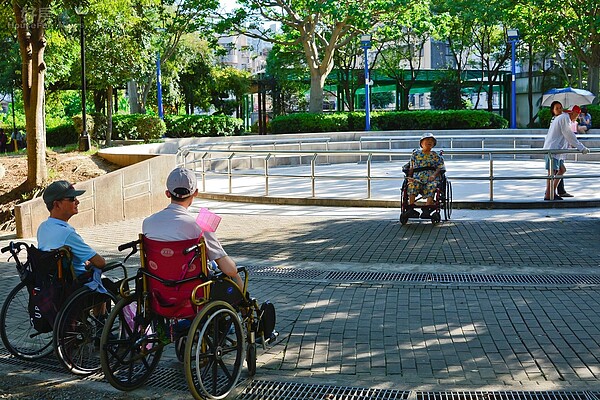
x=113, y=265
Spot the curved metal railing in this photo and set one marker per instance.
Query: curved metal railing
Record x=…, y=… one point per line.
x=267, y=164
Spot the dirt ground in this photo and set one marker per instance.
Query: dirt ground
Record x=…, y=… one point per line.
x=72, y=166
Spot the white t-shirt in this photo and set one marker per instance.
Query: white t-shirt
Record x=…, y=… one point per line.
x=176, y=223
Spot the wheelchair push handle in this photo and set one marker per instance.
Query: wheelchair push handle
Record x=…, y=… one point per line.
x=129, y=245
x=192, y=248
x=14, y=247
x=133, y=245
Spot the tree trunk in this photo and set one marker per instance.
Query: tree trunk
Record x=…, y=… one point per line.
x=109, y=114
x=32, y=44
x=317, y=83
x=593, y=78
x=134, y=105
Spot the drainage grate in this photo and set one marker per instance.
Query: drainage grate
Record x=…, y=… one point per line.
x=512, y=395
x=361, y=276
x=291, y=273
x=162, y=377
x=376, y=276
x=265, y=390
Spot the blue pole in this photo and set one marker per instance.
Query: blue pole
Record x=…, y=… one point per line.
x=513, y=90
x=159, y=87
x=367, y=95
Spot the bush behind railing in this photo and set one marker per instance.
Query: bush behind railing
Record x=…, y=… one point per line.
x=383, y=121
x=181, y=126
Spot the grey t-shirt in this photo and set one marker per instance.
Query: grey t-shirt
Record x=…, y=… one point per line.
x=176, y=223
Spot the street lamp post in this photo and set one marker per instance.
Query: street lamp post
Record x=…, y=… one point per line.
x=159, y=87
x=365, y=42
x=513, y=38
x=84, y=139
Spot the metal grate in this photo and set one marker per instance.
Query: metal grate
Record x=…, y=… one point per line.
x=358, y=276
x=376, y=276
x=291, y=273
x=163, y=378
x=509, y=395
x=265, y=390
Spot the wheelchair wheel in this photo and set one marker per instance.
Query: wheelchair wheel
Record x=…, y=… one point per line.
x=18, y=334
x=130, y=347
x=78, y=329
x=214, y=351
x=436, y=217
x=448, y=201
x=403, y=202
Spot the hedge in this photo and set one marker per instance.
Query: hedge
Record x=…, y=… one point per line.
x=402, y=120
x=181, y=126
x=61, y=135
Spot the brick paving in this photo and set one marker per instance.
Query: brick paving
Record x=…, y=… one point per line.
x=415, y=336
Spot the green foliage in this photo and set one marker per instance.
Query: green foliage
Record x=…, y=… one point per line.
x=150, y=127
x=179, y=126
x=124, y=127
x=100, y=126
x=310, y=122
x=383, y=121
x=446, y=95
x=62, y=135
x=78, y=123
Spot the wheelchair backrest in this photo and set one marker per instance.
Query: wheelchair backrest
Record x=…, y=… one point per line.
x=50, y=279
x=171, y=275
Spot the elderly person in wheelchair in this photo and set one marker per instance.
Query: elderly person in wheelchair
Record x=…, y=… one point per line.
x=209, y=315
x=176, y=223
x=424, y=173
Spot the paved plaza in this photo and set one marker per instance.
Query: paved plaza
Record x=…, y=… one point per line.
x=363, y=301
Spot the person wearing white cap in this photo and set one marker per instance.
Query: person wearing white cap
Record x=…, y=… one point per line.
x=560, y=136
x=61, y=200
x=176, y=223
x=426, y=166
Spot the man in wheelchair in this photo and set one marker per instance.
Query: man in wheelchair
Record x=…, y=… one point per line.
x=424, y=175
x=61, y=200
x=175, y=223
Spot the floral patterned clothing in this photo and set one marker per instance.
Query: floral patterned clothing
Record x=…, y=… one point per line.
x=421, y=184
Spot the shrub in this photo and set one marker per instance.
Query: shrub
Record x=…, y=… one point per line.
x=179, y=126
x=306, y=122
x=150, y=127
x=61, y=135
x=402, y=120
x=124, y=127
x=78, y=123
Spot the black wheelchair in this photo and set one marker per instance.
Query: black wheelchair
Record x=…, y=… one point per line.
x=178, y=299
x=51, y=309
x=442, y=199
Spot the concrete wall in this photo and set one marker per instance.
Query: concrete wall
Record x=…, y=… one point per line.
x=131, y=192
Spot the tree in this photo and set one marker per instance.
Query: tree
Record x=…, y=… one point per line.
x=350, y=73
x=114, y=53
x=286, y=71
x=402, y=38
x=30, y=24
x=166, y=23
x=446, y=95
x=321, y=27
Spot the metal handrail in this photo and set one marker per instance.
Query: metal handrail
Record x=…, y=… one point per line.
x=464, y=138
x=267, y=155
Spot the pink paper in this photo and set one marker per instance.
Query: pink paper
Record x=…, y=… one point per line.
x=208, y=221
